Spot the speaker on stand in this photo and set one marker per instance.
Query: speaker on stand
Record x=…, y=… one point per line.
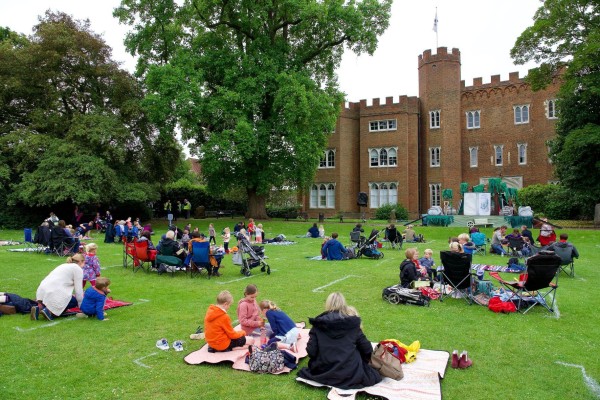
x=362, y=201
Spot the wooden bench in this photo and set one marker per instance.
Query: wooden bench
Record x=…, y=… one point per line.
x=480, y=223
x=218, y=214
x=353, y=215
x=297, y=215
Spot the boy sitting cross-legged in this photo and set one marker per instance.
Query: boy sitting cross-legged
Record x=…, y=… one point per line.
x=219, y=334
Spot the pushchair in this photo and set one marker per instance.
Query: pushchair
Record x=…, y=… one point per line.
x=369, y=248
x=248, y=256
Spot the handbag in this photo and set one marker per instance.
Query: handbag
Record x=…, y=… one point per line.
x=386, y=362
x=270, y=360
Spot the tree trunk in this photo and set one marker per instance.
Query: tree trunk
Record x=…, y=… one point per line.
x=257, y=205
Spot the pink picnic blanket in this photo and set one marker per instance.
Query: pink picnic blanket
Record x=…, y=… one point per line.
x=237, y=356
x=110, y=303
x=421, y=380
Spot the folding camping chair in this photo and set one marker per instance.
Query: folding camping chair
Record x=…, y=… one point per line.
x=567, y=262
x=537, y=285
x=200, y=259
x=142, y=257
x=394, y=238
x=61, y=244
x=29, y=244
x=357, y=239
x=516, y=245
x=129, y=253
x=480, y=242
x=455, y=273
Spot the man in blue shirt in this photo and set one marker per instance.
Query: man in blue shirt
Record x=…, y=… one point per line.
x=333, y=249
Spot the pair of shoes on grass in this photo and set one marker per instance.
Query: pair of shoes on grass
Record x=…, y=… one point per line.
x=163, y=344
x=44, y=312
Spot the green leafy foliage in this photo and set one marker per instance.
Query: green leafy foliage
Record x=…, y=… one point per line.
x=565, y=36
x=72, y=125
x=384, y=211
x=252, y=83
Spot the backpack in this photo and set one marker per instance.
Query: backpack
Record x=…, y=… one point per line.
x=270, y=360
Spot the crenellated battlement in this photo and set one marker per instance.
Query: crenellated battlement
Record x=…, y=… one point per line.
x=513, y=78
x=405, y=103
x=441, y=55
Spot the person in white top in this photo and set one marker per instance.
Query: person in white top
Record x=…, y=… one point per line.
x=55, y=293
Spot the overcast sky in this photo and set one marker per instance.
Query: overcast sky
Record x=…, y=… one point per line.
x=483, y=30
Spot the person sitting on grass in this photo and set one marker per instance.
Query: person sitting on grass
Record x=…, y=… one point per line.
x=428, y=263
x=55, y=293
x=313, y=231
x=248, y=312
x=498, y=239
x=467, y=245
x=333, y=249
x=338, y=349
x=410, y=270
x=94, y=299
x=285, y=333
x=218, y=332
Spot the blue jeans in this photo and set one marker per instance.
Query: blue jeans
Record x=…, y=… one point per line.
x=498, y=249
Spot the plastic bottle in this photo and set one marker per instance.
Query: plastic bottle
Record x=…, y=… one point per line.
x=263, y=336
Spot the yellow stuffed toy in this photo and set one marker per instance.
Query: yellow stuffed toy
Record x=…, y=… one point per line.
x=412, y=350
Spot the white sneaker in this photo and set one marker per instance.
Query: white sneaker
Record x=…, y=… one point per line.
x=162, y=344
x=81, y=315
x=178, y=345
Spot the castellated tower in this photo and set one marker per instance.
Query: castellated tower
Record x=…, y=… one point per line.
x=440, y=135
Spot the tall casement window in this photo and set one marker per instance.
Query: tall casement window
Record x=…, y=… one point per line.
x=435, y=193
x=521, y=114
x=473, y=156
x=522, y=151
x=328, y=159
x=322, y=195
x=434, y=156
x=473, y=119
x=551, y=111
x=383, y=157
x=381, y=193
x=498, y=155
x=382, y=125
x=434, y=119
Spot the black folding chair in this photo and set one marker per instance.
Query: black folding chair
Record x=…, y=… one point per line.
x=567, y=263
x=455, y=274
x=538, y=285
x=516, y=245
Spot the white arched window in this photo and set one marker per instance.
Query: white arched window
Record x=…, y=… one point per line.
x=383, y=157
x=374, y=158
x=331, y=159
x=383, y=194
x=331, y=196
x=322, y=196
x=392, y=157
x=374, y=195
x=314, y=196
x=393, y=199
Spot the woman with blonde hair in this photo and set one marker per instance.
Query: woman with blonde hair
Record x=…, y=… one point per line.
x=55, y=293
x=338, y=349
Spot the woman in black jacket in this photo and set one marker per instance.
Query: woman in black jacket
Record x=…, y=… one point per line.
x=338, y=349
x=408, y=268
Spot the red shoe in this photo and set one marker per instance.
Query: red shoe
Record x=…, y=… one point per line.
x=455, y=360
x=464, y=362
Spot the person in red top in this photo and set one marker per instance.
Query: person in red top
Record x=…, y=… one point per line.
x=251, y=228
x=218, y=331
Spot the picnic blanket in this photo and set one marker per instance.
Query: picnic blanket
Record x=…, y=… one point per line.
x=110, y=303
x=421, y=380
x=9, y=243
x=494, y=268
x=237, y=356
x=284, y=243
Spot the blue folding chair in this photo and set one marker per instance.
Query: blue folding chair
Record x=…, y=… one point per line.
x=200, y=260
x=29, y=244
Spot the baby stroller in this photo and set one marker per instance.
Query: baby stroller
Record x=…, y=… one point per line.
x=248, y=256
x=369, y=248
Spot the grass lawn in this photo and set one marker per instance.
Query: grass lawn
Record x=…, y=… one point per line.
x=515, y=356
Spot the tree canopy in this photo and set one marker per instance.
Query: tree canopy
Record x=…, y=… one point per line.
x=565, y=38
x=253, y=84
x=72, y=126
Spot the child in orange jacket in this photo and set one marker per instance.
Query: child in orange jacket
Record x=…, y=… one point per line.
x=219, y=333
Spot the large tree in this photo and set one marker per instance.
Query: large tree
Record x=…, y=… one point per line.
x=565, y=38
x=252, y=83
x=72, y=126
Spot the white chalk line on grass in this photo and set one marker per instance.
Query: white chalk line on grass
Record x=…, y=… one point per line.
x=316, y=290
x=140, y=363
x=243, y=278
x=53, y=323
x=588, y=380
x=56, y=322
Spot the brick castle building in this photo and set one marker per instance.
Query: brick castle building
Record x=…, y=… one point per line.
x=408, y=151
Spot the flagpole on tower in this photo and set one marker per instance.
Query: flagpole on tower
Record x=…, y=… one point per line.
x=435, y=28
